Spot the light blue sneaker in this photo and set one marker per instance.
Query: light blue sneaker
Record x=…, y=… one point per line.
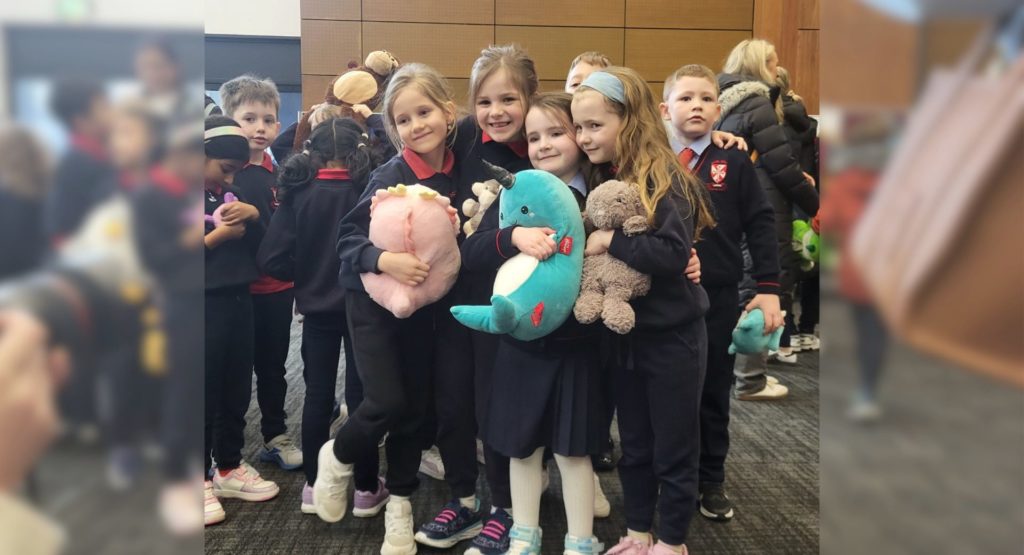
x=282, y=452
x=575, y=545
x=524, y=540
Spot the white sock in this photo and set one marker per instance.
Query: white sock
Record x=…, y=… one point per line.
x=645, y=537
x=578, y=494
x=525, y=483
x=468, y=502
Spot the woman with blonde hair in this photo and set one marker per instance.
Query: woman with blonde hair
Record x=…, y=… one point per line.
x=751, y=109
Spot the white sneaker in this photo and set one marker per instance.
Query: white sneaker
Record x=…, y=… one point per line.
x=244, y=483
x=282, y=452
x=602, y=508
x=811, y=342
x=339, y=421
x=770, y=392
x=771, y=379
x=781, y=357
x=179, y=508
x=330, y=491
x=213, y=510
x=398, y=532
x=431, y=463
x=864, y=411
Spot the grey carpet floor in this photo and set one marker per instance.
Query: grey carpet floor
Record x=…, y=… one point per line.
x=772, y=479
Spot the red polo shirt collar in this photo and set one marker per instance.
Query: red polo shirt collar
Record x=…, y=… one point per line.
x=90, y=146
x=333, y=173
x=422, y=169
x=519, y=147
x=168, y=181
x=267, y=163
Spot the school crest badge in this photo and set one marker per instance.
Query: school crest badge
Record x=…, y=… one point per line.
x=718, y=170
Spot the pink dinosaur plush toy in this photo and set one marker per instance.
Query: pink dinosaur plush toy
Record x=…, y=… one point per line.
x=216, y=218
x=417, y=220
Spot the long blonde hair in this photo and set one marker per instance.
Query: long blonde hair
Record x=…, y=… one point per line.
x=643, y=155
x=749, y=59
x=782, y=81
x=24, y=166
x=430, y=83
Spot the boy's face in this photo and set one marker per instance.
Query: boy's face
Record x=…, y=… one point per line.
x=259, y=123
x=692, y=107
x=577, y=75
x=220, y=172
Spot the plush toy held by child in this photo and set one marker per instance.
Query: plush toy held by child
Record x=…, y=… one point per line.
x=608, y=283
x=417, y=220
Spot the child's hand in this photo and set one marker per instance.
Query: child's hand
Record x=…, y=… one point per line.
x=192, y=236
x=362, y=110
x=726, y=140
x=693, y=267
x=238, y=212
x=598, y=242
x=404, y=267
x=810, y=179
x=534, y=241
x=232, y=232
x=769, y=305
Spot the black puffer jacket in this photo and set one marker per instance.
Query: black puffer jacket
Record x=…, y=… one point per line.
x=802, y=130
x=748, y=111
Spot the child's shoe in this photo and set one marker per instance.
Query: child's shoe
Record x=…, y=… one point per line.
x=575, y=545
x=282, y=452
x=602, y=508
x=398, y=537
x=330, y=491
x=770, y=392
x=662, y=549
x=629, y=545
x=213, y=510
x=307, y=507
x=524, y=540
x=779, y=356
x=368, y=504
x=714, y=504
x=453, y=524
x=431, y=464
x=244, y=483
x=493, y=539
x=179, y=508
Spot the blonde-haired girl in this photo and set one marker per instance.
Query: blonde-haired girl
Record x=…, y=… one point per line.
x=659, y=377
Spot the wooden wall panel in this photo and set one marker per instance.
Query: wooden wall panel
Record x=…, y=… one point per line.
x=313, y=89
x=553, y=48
x=810, y=14
x=330, y=9
x=328, y=46
x=656, y=53
x=804, y=73
x=450, y=49
x=593, y=13
x=690, y=14
x=429, y=11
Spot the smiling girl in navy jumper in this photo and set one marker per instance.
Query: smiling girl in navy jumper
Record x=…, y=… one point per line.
x=317, y=188
x=394, y=356
x=659, y=378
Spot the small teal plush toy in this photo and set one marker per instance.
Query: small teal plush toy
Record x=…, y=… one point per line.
x=531, y=297
x=749, y=339
x=807, y=243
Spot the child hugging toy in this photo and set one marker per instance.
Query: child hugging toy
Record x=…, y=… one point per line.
x=531, y=297
x=216, y=217
x=608, y=283
x=413, y=219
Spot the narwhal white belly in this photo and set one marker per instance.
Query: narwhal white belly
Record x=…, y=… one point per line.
x=514, y=273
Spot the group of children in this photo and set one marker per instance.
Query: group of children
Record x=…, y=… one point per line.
x=427, y=379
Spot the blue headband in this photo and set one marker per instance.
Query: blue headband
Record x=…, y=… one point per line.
x=606, y=84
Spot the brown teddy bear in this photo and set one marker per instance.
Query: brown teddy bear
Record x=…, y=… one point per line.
x=608, y=283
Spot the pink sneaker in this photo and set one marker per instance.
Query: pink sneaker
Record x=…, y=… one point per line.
x=662, y=549
x=244, y=483
x=214, y=512
x=630, y=546
x=369, y=503
x=307, y=507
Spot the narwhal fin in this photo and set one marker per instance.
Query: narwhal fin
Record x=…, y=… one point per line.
x=498, y=318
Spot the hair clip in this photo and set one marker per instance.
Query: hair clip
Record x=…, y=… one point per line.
x=364, y=135
x=361, y=145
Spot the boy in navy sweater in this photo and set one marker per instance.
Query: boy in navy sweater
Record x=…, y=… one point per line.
x=691, y=107
x=253, y=103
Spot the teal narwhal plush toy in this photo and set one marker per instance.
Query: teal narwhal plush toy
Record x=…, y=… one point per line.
x=532, y=298
x=748, y=337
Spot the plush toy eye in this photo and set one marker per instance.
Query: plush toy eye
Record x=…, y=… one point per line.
x=525, y=210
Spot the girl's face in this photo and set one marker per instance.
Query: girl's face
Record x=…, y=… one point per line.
x=773, y=66
x=597, y=126
x=500, y=108
x=220, y=172
x=422, y=125
x=552, y=146
x=130, y=142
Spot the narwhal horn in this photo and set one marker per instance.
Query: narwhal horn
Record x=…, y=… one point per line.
x=501, y=175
